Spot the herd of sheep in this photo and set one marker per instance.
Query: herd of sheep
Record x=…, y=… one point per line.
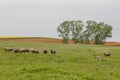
x=98, y=57
x=52, y=51
x=23, y=50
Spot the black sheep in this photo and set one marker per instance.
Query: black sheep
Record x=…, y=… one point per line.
x=45, y=51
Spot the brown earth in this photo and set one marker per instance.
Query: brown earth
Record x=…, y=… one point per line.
x=51, y=40
x=112, y=43
x=46, y=40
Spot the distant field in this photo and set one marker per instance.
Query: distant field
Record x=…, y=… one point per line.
x=31, y=39
x=112, y=44
x=71, y=62
x=46, y=40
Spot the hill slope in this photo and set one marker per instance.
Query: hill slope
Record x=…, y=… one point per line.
x=71, y=62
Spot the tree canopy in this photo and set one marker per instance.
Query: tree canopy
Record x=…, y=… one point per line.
x=76, y=31
x=64, y=30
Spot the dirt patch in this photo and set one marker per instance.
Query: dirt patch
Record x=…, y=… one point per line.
x=46, y=40
x=112, y=43
x=51, y=40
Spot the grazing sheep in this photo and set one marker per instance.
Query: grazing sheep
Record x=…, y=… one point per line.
x=22, y=50
x=8, y=49
x=45, y=51
x=19, y=50
x=16, y=51
x=107, y=54
x=98, y=57
x=27, y=50
x=52, y=51
x=35, y=51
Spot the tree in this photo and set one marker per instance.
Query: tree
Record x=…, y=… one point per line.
x=98, y=32
x=64, y=30
x=76, y=30
x=102, y=32
x=90, y=29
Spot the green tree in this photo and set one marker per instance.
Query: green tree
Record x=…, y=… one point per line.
x=98, y=32
x=64, y=31
x=76, y=30
x=102, y=32
x=90, y=29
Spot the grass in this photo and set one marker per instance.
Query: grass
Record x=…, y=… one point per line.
x=71, y=62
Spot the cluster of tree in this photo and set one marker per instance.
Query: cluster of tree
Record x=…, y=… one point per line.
x=76, y=31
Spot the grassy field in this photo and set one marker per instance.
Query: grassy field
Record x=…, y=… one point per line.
x=71, y=62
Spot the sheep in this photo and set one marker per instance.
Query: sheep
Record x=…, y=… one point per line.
x=107, y=54
x=52, y=51
x=27, y=50
x=45, y=51
x=35, y=51
x=16, y=50
x=97, y=57
x=22, y=50
x=8, y=49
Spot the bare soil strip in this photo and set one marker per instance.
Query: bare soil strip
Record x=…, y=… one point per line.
x=49, y=40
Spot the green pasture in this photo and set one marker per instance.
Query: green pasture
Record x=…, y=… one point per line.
x=71, y=62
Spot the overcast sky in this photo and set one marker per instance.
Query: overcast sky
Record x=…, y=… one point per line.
x=42, y=17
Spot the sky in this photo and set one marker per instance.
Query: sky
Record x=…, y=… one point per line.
x=42, y=17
